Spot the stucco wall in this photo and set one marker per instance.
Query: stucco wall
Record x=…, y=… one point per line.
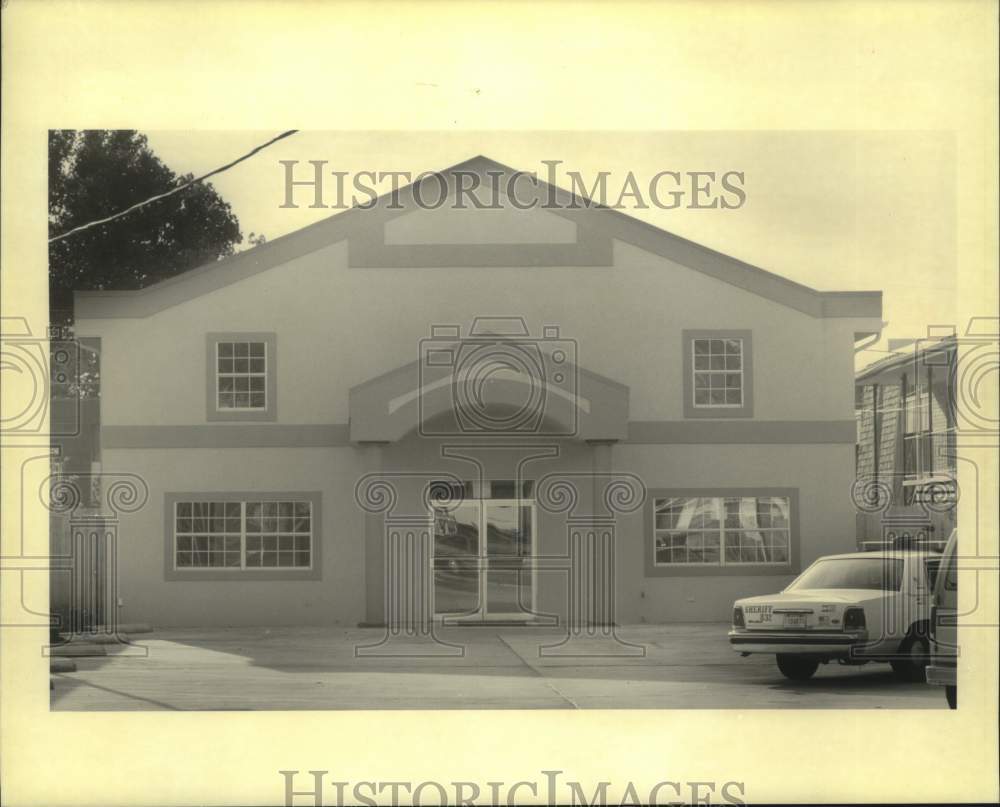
x=336, y=598
x=338, y=327
x=823, y=475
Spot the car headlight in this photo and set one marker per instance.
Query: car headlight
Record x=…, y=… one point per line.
x=854, y=619
x=738, y=618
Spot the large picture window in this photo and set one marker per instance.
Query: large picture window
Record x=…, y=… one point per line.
x=230, y=534
x=722, y=530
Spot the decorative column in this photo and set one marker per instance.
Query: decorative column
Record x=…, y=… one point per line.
x=593, y=565
x=93, y=550
x=93, y=581
x=406, y=563
x=372, y=458
x=591, y=629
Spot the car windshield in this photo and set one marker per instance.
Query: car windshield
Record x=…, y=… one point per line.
x=878, y=574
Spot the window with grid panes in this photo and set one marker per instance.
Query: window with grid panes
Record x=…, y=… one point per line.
x=721, y=530
x=241, y=375
x=249, y=534
x=717, y=366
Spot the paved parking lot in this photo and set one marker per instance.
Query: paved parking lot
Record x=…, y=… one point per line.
x=663, y=667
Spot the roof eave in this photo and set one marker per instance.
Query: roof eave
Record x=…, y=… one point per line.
x=325, y=233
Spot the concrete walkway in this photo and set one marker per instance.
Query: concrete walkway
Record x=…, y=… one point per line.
x=656, y=667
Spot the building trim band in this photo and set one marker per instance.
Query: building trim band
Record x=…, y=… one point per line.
x=640, y=432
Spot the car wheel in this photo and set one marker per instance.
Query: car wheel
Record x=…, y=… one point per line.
x=917, y=655
x=951, y=695
x=797, y=668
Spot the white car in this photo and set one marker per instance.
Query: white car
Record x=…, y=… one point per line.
x=854, y=608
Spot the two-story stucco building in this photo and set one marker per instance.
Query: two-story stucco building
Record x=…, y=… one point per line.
x=502, y=352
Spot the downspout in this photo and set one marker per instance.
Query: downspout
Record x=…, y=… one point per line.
x=874, y=338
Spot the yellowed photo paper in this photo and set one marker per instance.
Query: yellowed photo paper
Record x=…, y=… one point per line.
x=553, y=403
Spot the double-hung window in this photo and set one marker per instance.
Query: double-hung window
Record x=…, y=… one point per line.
x=718, y=372
x=718, y=377
x=241, y=381
x=241, y=375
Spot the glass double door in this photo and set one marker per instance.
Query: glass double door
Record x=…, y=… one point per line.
x=482, y=560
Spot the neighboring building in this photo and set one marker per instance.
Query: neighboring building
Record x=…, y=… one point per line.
x=906, y=458
x=254, y=394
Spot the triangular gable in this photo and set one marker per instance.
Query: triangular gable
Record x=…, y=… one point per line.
x=597, y=228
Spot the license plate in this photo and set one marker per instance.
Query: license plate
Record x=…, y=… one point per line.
x=795, y=620
x=757, y=614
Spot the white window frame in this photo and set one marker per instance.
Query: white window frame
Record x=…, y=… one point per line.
x=916, y=409
x=695, y=371
x=721, y=531
x=250, y=413
x=243, y=567
x=219, y=375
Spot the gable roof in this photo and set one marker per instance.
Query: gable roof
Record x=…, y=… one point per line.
x=598, y=227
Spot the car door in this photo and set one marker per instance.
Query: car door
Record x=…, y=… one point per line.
x=944, y=629
x=911, y=606
x=931, y=567
x=919, y=592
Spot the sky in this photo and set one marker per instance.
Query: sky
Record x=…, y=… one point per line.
x=834, y=210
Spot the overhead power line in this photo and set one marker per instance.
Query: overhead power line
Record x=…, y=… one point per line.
x=172, y=191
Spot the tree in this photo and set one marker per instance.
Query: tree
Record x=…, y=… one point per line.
x=96, y=173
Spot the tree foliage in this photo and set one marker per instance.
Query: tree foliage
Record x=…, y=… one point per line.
x=96, y=173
